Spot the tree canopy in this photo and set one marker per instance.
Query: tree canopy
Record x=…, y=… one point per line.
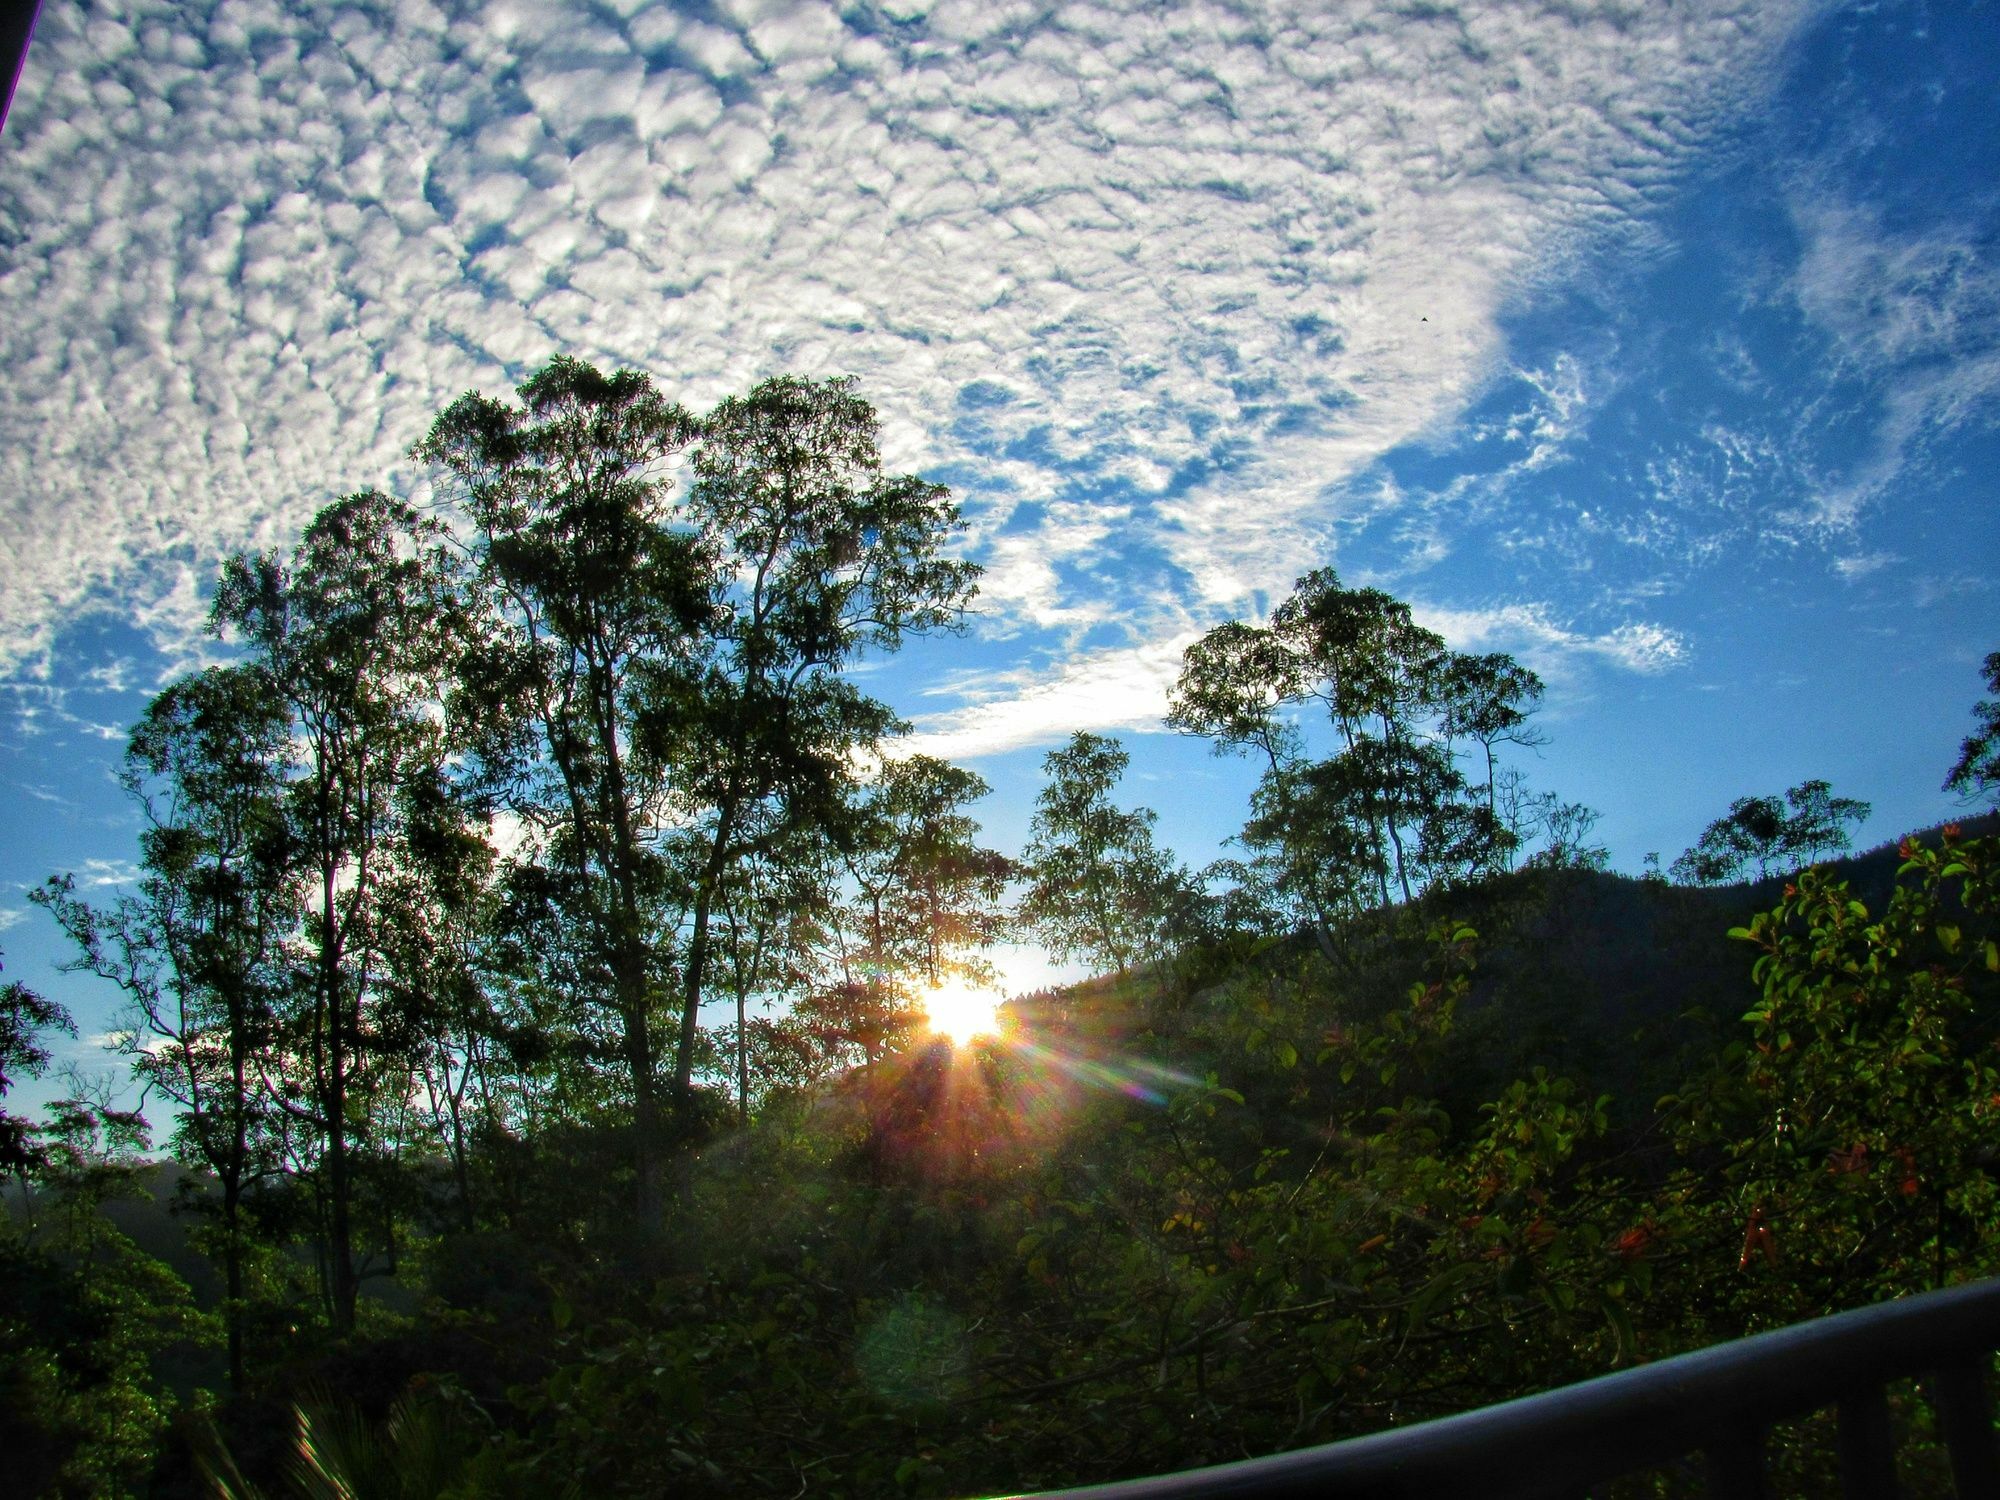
x=1774, y=835
x=1976, y=772
x=534, y=924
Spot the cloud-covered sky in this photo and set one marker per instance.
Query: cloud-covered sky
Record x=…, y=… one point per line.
x=1657, y=343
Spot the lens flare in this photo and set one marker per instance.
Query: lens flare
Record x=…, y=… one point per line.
x=960, y=1012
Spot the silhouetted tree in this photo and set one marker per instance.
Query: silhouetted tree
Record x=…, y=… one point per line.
x=597, y=597
x=1773, y=834
x=1390, y=803
x=1094, y=875
x=357, y=635
x=1488, y=700
x=660, y=661
x=1976, y=773
x=24, y=1016
x=932, y=895
x=826, y=557
x=197, y=950
x=776, y=911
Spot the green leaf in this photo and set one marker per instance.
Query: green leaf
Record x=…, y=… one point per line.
x=1620, y=1323
x=1451, y=1278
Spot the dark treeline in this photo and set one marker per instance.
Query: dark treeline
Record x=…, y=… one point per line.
x=449, y=875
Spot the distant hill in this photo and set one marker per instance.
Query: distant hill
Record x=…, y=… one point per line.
x=1608, y=978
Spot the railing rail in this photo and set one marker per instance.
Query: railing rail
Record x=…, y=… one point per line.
x=1717, y=1402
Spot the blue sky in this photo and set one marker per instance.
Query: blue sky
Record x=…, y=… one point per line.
x=1657, y=344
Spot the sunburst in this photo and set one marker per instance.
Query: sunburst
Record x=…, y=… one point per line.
x=959, y=1011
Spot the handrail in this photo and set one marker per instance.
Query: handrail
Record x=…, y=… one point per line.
x=1716, y=1401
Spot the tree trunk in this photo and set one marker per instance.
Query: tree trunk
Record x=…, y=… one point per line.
x=697, y=962
x=742, y=1060
x=232, y=1277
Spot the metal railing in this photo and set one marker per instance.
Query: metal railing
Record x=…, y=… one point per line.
x=1717, y=1402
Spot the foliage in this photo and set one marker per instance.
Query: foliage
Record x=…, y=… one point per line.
x=24, y=1016
x=660, y=682
x=1390, y=807
x=444, y=878
x=429, y=1445
x=933, y=896
x=84, y=1316
x=1872, y=1082
x=1976, y=772
x=1094, y=875
x=197, y=950
x=1776, y=836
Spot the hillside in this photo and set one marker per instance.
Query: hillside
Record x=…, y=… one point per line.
x=1261, y=1198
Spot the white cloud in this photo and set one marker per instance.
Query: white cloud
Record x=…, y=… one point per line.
x=1861, y=565
x=98, y=874
x=1127, y=688
x=1914, y=316
x=1171, y=238
x=1117, y=689
x=1551, y=648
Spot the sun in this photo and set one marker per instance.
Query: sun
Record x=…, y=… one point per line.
x=960, y=1012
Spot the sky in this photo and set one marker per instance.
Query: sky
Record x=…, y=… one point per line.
x=1655, y=343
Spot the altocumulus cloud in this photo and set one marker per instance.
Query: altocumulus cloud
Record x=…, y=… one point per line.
x=1148, y=282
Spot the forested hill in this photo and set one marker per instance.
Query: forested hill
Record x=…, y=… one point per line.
x=541, y=958
x=1187, y=1214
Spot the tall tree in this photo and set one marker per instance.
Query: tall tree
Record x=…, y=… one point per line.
x=826, y=557
x=1774, y=834
x=671, y=660
x=1390, y=802
x=1489, y=699
x=357, y=631
x=436, y=921
x=197, y=948
x=776, y=911
x=598, y=597
x=24, y=1016
x=933, y=895
x=1976, y=772
x=1095, y=878
x=1378, y=674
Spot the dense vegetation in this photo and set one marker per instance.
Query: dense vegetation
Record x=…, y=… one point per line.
x=528, y=969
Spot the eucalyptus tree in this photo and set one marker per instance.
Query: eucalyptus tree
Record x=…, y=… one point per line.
x=1237, y=687
x=1314, y=857
x=597, y=597
x=1489, y=700
x=1378, y=675
x=358, y=635
x=777, y=912
x=932, y=897
x=1095, y=877
x=827, y=557
x=197, y=949
x=1390, y=803
x=1774, y=834
x=667, y=659
x=1976, y=772
x=24, y=1017
x=438, y=1010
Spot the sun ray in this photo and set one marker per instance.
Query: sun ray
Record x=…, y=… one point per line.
x=960, y=1012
